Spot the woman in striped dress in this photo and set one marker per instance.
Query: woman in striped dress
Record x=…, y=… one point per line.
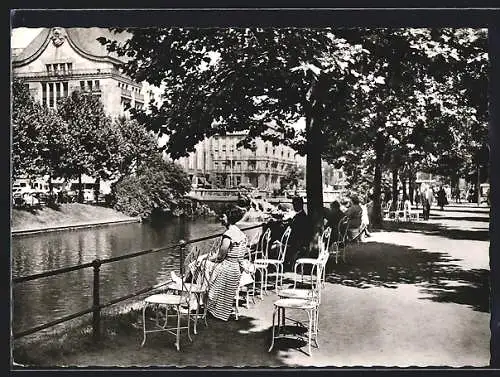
x=227, y=273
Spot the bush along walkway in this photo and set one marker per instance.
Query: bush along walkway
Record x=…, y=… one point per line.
x=411, y=295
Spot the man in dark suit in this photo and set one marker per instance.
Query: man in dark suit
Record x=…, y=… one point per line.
x=298, y=242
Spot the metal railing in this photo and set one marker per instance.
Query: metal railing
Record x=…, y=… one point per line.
x=96, y=300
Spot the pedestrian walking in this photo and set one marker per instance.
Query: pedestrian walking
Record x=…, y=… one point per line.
x=429, y=198
x=441, y=198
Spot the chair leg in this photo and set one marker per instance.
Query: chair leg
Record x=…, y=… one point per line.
x=178, y=335
x=236, y=308
x=144, y=324
x=188, y=322
x=309, y=332
x=272, y=337
x=196, y=315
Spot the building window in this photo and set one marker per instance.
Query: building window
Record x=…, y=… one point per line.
x=266, y=149
x=288, y=154
x=65, y=89
x=82, y=85
x=70, y=67
x=96, y=84
x=274, y=151
x=223, y=148
x=282, y=153
x=49, y=68
x=89, y=85
x=58, y=90
x=44, y=93
x=51, y=94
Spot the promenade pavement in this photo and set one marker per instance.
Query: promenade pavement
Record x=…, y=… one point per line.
x=415, y=294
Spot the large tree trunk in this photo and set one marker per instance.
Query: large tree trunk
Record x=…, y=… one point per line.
x=97, y=189
x=377, y=181
x=80, y=189
x=395, y=191
x=411, y=190
x=403, y=180
x=51, y=186
x=314, y=182
x=494, y=110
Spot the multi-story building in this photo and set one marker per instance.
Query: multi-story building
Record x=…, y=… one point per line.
x=61, y=60
x=221, y=162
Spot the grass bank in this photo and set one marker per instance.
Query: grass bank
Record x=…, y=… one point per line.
x=71, y=214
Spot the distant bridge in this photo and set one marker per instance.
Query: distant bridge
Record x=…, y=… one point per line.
x=231, y=195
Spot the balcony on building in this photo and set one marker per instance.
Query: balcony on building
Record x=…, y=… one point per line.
x=126, y=93
x=68, y=72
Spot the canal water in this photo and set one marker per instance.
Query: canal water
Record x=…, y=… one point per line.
x=40, y=301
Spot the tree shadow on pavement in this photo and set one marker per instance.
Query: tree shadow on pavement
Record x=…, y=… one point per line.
x=242, y=342
x=438, y=230
x=482, y=219
x=376, y=264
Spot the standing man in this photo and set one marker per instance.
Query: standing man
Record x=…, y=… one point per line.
x=429, y=198
x=423, y=190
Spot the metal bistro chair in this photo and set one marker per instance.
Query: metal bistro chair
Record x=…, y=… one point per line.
x=343, y=238
x=409, y=213
x=323, y=247
x=304, y=300
x=398, y=212
x=278, y=263
x=248, y=290
x=198, y=286
x=260, y=260
x=386, y=210
x=176, y=299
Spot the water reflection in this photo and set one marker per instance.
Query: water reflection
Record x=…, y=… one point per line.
x=42, y=300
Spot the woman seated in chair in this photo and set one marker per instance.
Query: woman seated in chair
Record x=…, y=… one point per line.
x=354, y=214
x=226, y=267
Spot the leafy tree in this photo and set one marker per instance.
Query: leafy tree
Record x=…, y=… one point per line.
x=136, y=145
x=27, y=122
x=292, y=178
x=54, y=146
x=155, y=186
x=95, y=139
x=223, y=80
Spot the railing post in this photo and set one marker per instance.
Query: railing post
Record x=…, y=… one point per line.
x=182, y=245
x=96, y=315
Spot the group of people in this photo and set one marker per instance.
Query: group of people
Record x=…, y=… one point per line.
x=229, y=268
x=427, y=198
x=357, y=213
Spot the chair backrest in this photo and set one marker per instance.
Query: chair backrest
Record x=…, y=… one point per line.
x=190, y=264
x=343, y=228
x=284, y=243
x=407, y=207
x=199, y=276
x=253, y=242
x=325, y=240
x=387, y=206
x=263, y=245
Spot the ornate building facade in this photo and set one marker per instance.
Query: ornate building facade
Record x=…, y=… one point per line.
x=219, y=161
x=61, y=60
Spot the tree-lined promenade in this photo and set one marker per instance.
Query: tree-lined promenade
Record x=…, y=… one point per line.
x=403, y=100
x=412, y=295
x=375, y=102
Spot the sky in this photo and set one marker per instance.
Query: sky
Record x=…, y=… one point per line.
x=22, y=36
